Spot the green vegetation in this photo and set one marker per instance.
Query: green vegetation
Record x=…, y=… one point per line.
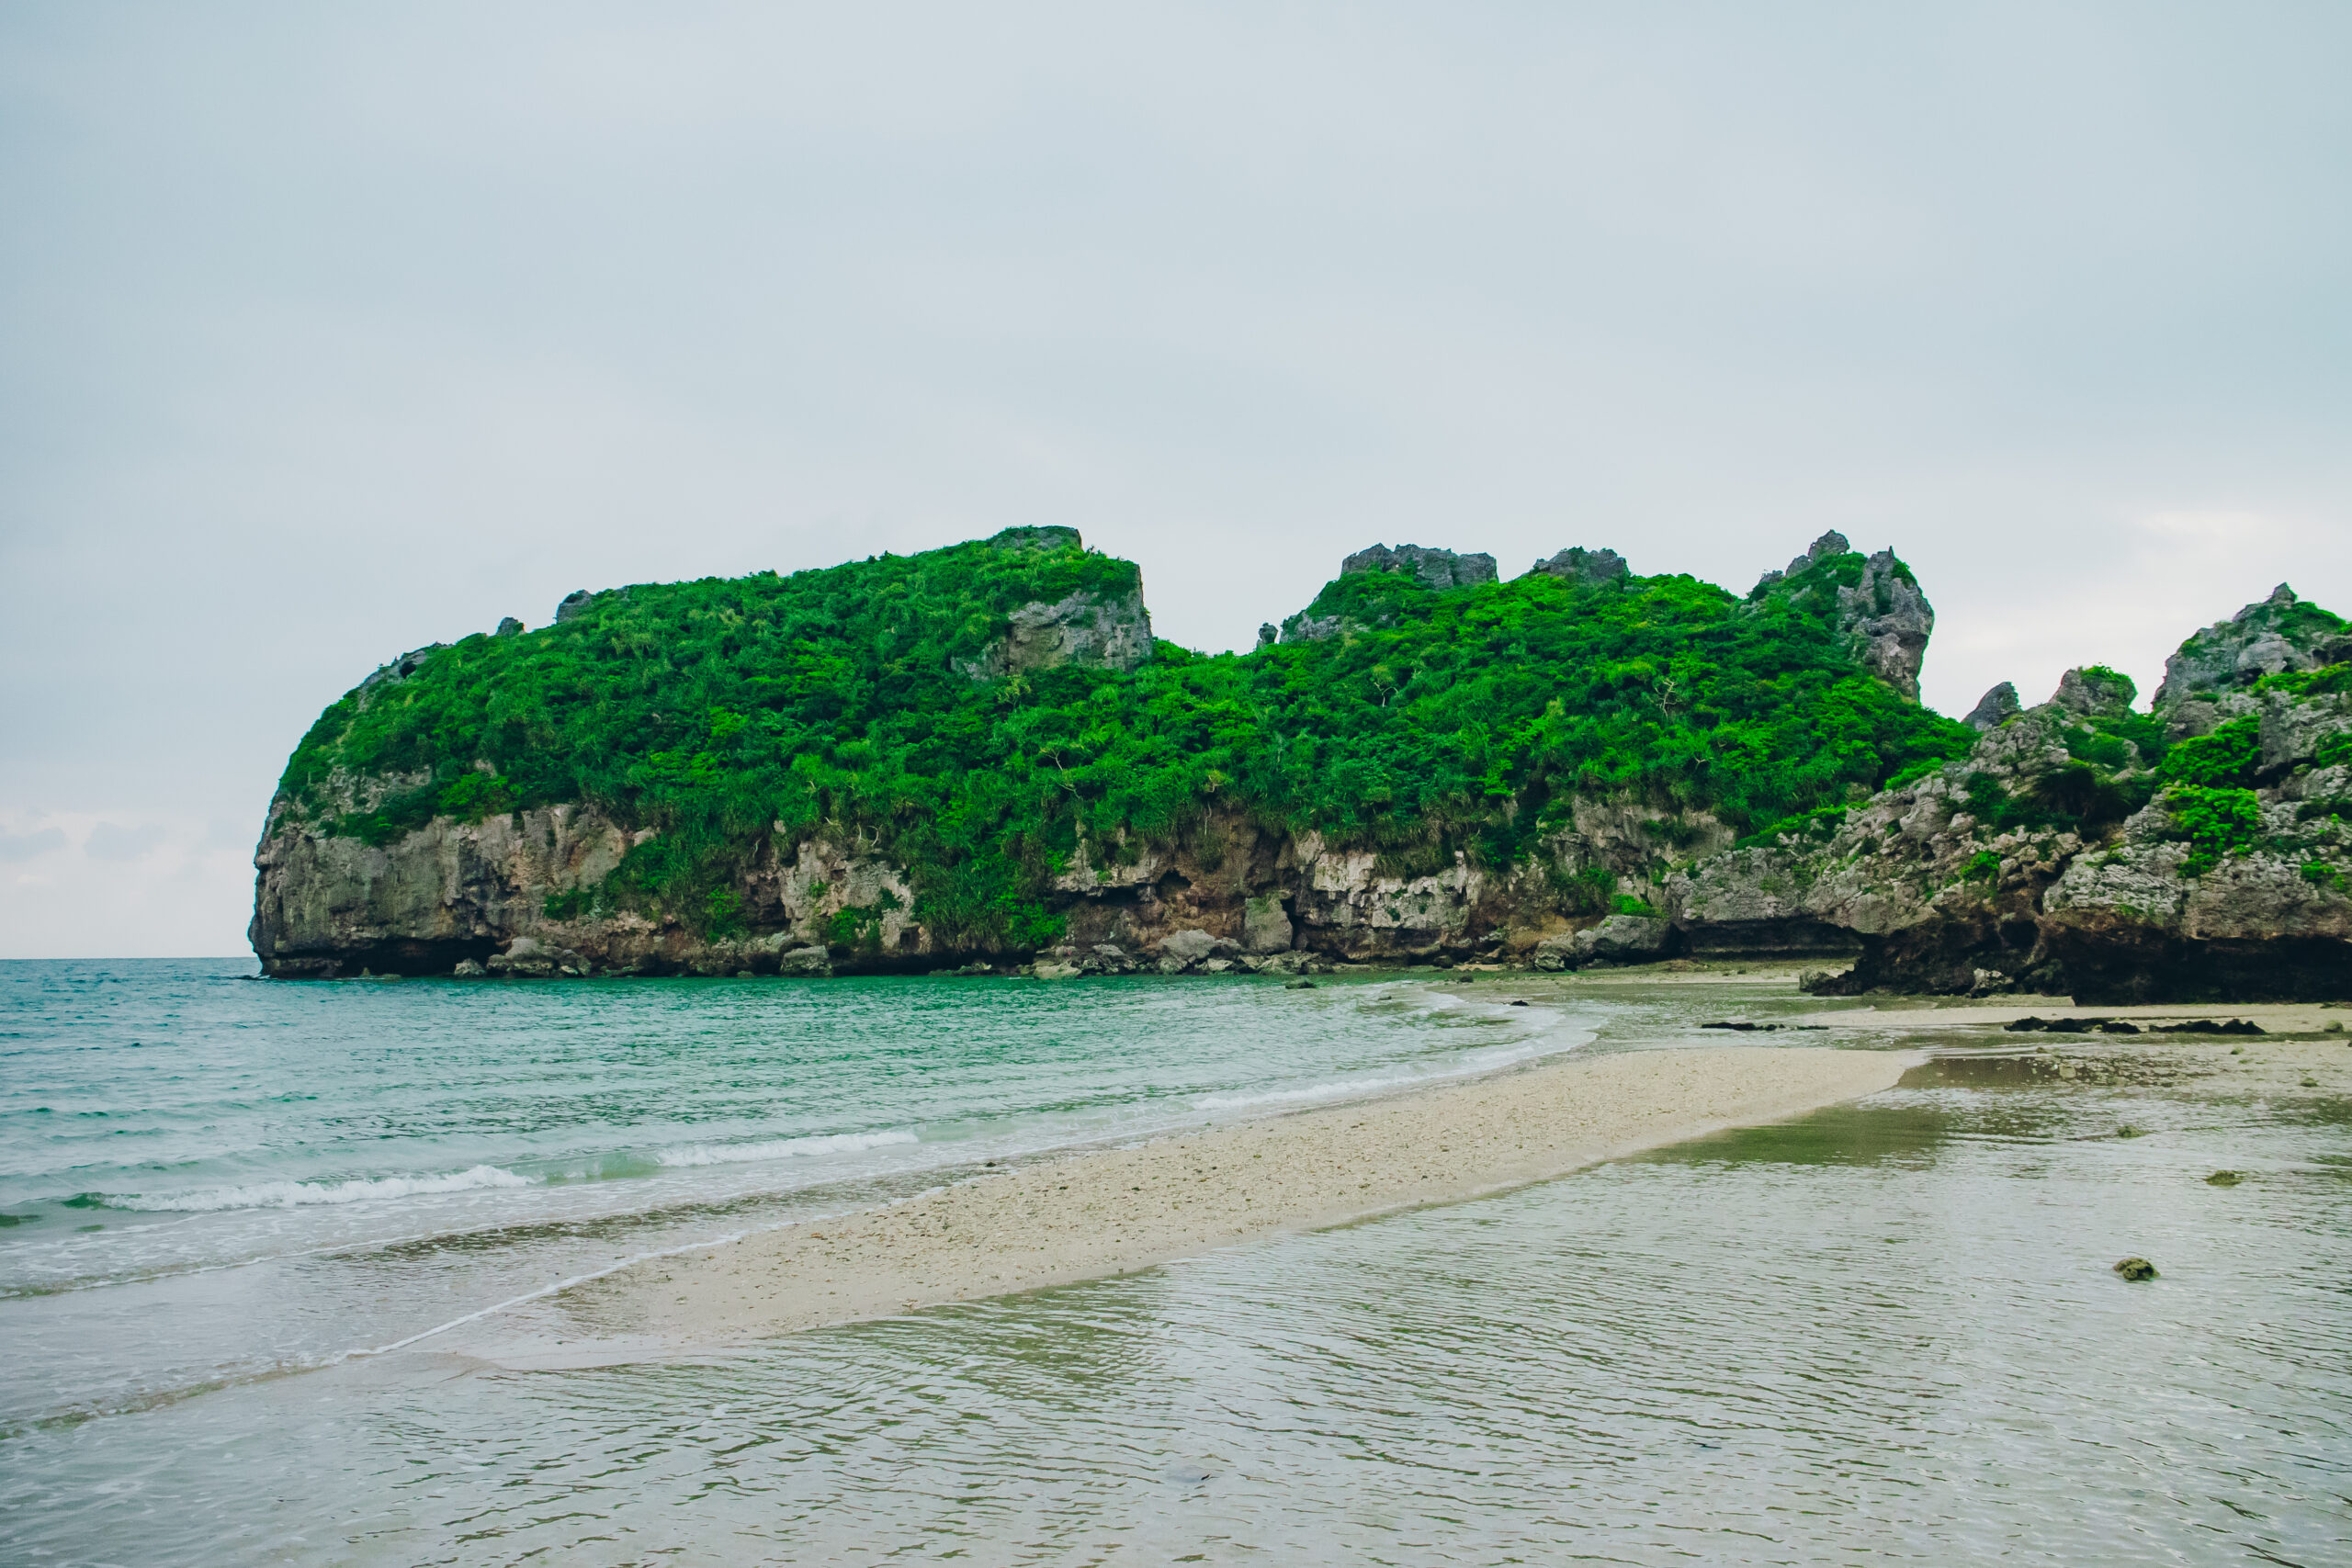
x=722, y=712
x=2214, y=823
x=2327, y=680
x=2226, y=759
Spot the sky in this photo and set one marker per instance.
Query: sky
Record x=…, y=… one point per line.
x=330, y=332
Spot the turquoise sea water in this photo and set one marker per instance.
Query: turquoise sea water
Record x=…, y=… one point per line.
x=1887, y=1330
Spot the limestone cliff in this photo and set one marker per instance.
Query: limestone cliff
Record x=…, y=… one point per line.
x=2055, y=857
x=2203, y=848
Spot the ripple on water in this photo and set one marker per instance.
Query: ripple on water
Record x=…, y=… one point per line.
x=1885, y=1331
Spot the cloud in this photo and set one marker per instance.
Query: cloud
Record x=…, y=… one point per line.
x=107, y=842
x=25, y=846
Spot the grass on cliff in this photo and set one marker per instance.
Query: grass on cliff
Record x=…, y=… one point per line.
x=723, y=711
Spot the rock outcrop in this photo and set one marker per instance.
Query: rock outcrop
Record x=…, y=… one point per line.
x=1578, y=564
x=2269, y=638
x=1887, y=622
x=1431, y=568
x=1875, y=603
x=1107, y=631
x=2060, y=854
x=2055, y=858
x=1995, y=707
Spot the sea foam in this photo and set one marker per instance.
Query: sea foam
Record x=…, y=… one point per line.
x=784, y=1148
x=303, y=1194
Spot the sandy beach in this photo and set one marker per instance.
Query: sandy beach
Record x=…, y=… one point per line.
x=1107, y=1212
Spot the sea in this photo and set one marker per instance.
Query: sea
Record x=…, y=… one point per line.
x=242, y=1222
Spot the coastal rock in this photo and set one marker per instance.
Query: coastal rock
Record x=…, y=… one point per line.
x=807, y=962
x=2267, y=638
x=1268, y=634
x=1887, y=622
x=1995, y=707
x=573, y=605
x=531, y=958
x=1189, y=947
x=1104, y=632
x=1265, y=925
x=1578, y=564
x=1431, y=568
x=2136, y=1269
x=1831, y=544
x=1875, y=603
x=509, y=626
x=2054, y=859
x=2094, y=693
x=1313, y=628
x=1625, y=939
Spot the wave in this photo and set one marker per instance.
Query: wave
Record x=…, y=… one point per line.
x=303, y=1194
x=1468, y=1064
x=784, y=1148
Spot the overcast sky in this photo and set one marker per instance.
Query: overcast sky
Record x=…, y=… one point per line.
x=333, y=330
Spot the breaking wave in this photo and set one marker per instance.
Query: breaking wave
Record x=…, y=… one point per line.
x=783, y=1148
x=303, y=1194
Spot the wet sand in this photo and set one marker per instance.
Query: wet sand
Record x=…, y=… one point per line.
x=1108, y=1212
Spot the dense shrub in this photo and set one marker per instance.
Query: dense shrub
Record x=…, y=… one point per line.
x=720, y=711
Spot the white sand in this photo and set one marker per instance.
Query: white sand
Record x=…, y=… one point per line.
x=1104, y=1212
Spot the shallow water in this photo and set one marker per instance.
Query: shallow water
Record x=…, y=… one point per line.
x=286, y=1173
x=1884, y=1331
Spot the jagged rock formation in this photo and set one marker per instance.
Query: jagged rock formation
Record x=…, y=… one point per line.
x=2204, y=850
x=1879, y=611
x=1888, y=621
x=1433, y=568
x=1578, y=564
x=1107, y=631
x=1995, y=707
x=2095, y=692
x=2277, y=634
x=2055, y=857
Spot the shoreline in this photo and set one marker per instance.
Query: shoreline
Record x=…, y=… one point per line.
x=1109, y=1212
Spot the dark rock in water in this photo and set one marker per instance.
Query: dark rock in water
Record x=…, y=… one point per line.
x=1431, y=568
x=2208, y=1026
x=1578, y=564
x=1519, y=1004
x=2129, y=1131
x=1299, y=985
x=810, y=960
x=2136, y=1269
x=2118, y=1026
x=1995, y=707
x=2222, y=1179
x=1740, y=1025
x=2026, y=1025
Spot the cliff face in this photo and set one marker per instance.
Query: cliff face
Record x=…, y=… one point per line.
x=921, y=762
x=517, y=896
x=2056, y=858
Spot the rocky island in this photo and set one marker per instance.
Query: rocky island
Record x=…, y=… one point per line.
x=982, y=757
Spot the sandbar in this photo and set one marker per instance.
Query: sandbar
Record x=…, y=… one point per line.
x=1107, y=1212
